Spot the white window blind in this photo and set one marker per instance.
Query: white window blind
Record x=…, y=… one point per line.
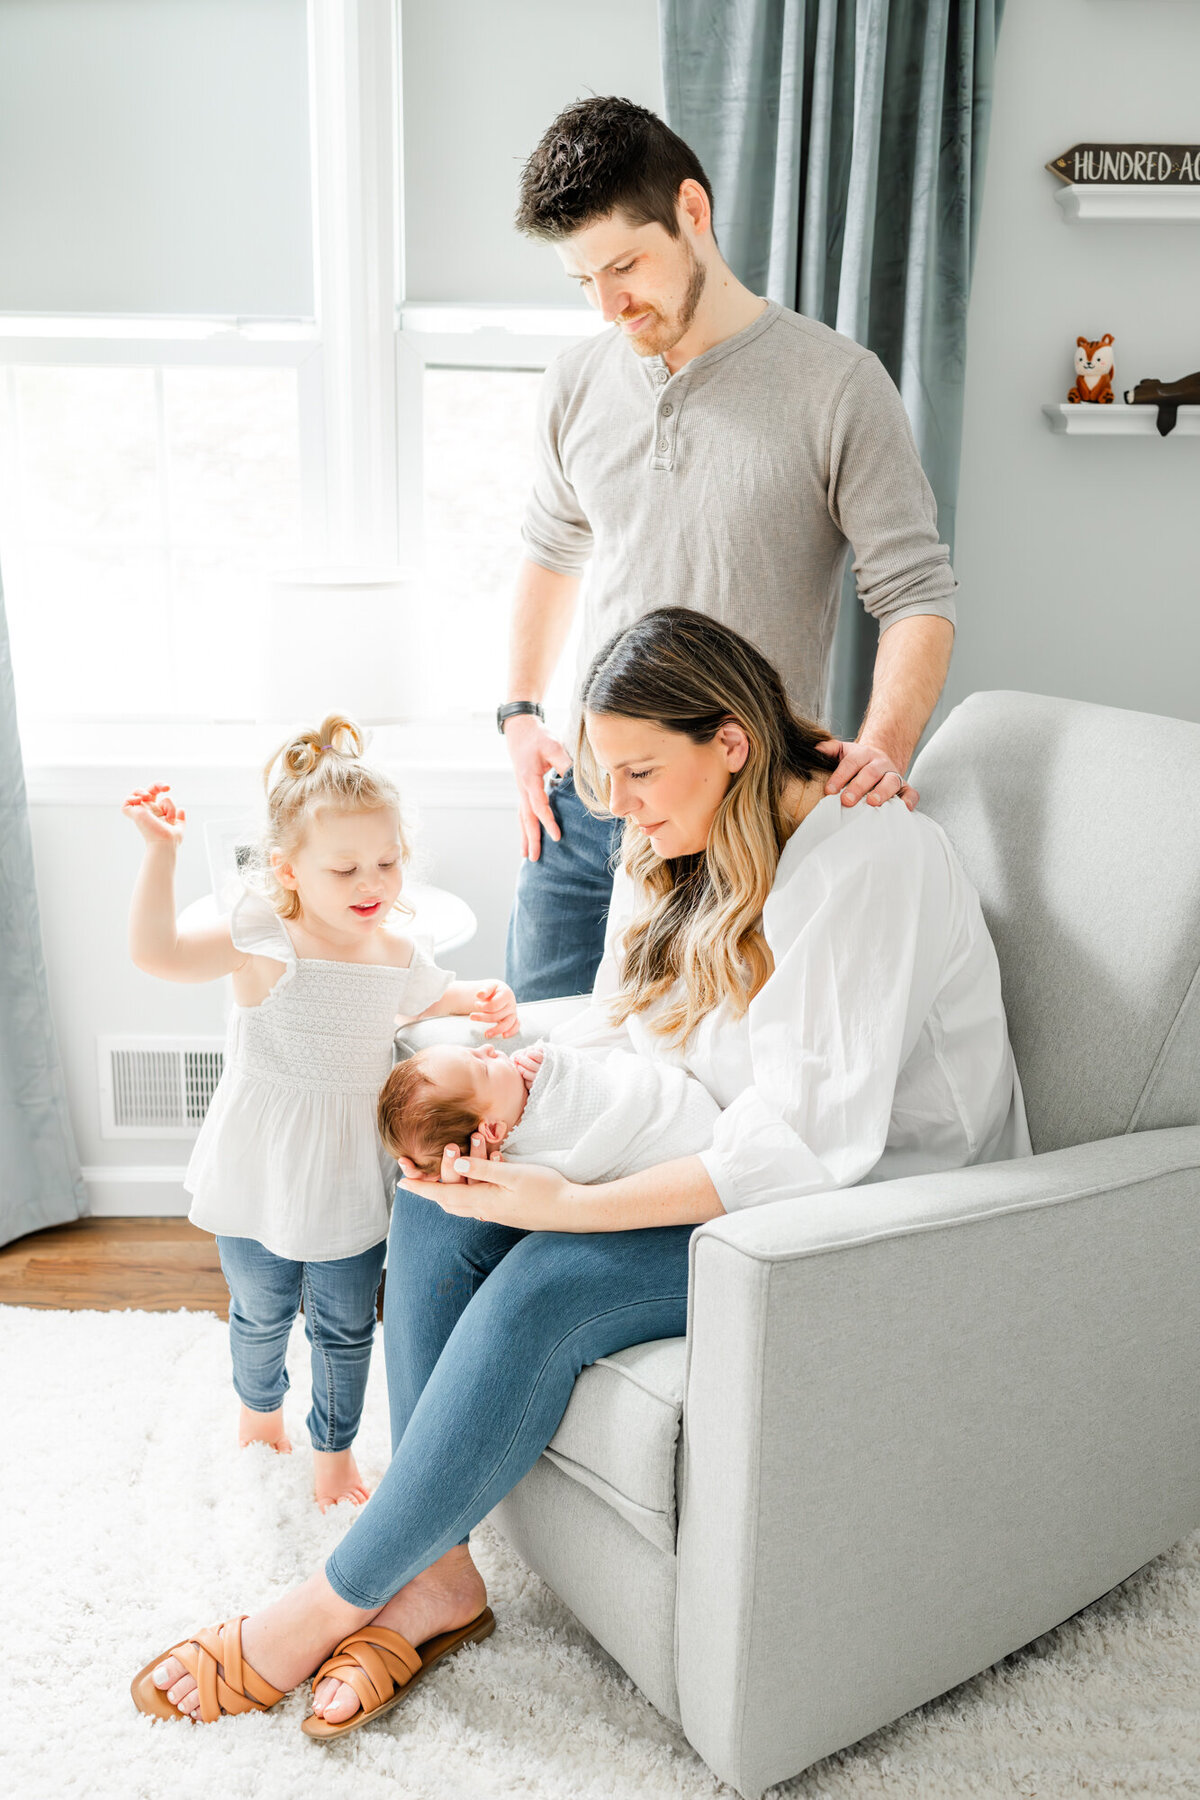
x=154, y=157
x=481, y=83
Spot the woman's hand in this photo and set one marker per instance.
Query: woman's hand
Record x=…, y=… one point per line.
x=525, y=1197
x=155, y=815
x=496, y=1010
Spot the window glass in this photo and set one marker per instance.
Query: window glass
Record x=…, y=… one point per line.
x=478, y=468
x=87, y=473
x=140, y=510
x=232, y=439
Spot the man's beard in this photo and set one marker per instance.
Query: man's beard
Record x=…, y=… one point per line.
x=662, y=334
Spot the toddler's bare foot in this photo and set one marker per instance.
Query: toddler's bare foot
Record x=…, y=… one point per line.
x=336, y=1477
x=448, y=1594
x=264, y=1428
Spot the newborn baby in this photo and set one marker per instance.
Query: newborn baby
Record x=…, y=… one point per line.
x=593, y=1117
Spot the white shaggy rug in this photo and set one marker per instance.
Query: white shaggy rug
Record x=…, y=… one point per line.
x=129, y=1516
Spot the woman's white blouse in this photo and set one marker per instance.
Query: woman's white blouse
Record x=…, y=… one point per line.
x=878, y=1047
x=289, y=1153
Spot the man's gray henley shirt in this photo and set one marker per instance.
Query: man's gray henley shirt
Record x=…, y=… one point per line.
x=734, y=487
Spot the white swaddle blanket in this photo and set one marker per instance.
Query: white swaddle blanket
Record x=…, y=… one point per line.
x=596, y=1117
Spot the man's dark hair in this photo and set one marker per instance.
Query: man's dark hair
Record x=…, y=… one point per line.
x=600, y=156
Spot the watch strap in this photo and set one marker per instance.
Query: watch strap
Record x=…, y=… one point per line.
x=511, y=708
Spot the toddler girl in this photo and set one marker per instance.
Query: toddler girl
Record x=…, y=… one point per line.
x=288, y=1170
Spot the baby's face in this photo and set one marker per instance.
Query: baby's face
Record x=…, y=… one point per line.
x=496, y=1089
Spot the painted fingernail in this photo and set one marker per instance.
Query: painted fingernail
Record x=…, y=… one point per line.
x=462, y=1166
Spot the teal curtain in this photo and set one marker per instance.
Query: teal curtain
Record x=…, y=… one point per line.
x=40, y=1180
x=845, y=141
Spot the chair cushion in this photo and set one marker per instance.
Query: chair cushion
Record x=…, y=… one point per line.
x=620, y=1432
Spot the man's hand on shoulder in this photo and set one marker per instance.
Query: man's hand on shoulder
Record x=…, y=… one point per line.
x=534, y=751
x=865, y=772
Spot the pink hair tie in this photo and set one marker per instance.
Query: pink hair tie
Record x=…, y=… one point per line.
x=327, y=746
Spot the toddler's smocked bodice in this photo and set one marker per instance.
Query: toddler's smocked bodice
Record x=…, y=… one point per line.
x=289, y=1153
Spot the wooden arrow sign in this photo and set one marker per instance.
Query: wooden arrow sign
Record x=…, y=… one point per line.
x=1131, y=165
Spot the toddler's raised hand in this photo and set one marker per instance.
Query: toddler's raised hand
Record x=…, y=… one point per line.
x=155, y=814
x=528, y=1062
x=496, y=1010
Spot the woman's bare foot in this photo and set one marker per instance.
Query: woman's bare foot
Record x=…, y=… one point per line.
x=444, y=1596
x=284, y=1643
x=336, y=1477
x=264, y=1428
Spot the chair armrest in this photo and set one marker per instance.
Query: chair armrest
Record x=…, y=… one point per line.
x=924, y=1421
x=822, y=1222
x=535, y=1017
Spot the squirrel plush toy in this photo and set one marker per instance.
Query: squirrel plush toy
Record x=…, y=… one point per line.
x=1093, y=372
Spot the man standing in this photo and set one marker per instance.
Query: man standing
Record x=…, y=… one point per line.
x=714, y=451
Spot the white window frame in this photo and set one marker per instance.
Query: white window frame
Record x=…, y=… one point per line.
x=450, y=335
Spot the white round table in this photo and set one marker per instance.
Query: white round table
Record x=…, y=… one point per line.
x=440, y=915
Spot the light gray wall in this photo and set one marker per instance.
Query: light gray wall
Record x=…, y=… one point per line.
x=154, y=157
x=482, y=80
x=1079, y=558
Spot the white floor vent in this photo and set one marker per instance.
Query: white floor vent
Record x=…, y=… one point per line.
x=157, y=1087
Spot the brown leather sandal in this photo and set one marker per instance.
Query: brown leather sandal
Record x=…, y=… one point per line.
x=225, y=1679
x=381, y=1667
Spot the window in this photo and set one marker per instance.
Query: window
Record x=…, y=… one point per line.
x=141, y=510
x=478, y=466
x=154, y=472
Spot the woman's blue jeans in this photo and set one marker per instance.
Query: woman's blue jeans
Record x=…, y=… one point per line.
x=485, y=1330
x=265, y=1292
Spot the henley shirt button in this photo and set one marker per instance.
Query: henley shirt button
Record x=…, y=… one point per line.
x=662, y=446
x=667, y=411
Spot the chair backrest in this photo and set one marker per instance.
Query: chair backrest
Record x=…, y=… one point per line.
x=1080, y=827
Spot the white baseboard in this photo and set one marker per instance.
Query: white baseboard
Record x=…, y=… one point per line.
x=136, y=1191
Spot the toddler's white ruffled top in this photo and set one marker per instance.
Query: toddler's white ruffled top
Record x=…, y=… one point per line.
x=289, y=1153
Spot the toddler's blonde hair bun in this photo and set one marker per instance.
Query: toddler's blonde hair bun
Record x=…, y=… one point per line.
x=300, y=755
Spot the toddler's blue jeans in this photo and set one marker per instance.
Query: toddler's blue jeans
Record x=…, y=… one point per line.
x=265, y=1292
x=484, y=1331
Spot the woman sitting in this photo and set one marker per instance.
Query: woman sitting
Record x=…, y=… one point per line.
x=824, y=971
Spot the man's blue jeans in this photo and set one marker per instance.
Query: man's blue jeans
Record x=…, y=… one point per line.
x=265, y=1292
x=556, y=932
x=484, y=1330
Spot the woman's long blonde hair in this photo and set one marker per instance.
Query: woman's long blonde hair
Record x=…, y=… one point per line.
x=700, y=919
x=321, y=768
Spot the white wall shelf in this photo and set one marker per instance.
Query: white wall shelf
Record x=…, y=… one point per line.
x=1132, y=204
x=1117, y=420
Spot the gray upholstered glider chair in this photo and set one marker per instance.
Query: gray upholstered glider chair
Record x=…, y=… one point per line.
x=916, y=1424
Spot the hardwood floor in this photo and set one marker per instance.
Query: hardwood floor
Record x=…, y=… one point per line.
x=154, y=1265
